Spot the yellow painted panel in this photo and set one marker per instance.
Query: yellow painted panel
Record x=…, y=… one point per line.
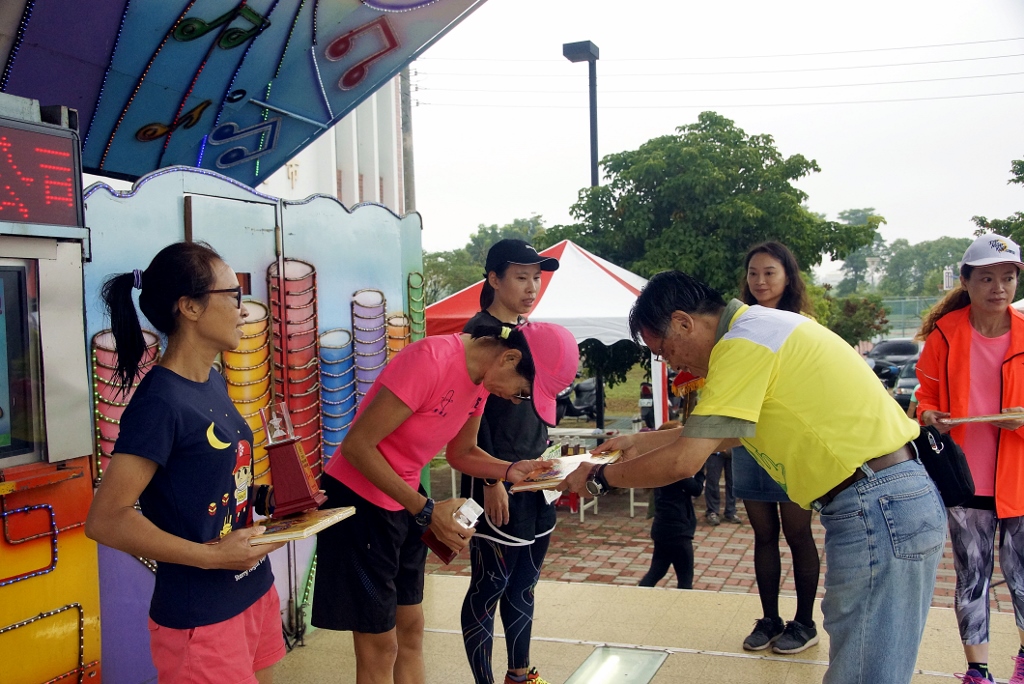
x=48, y=646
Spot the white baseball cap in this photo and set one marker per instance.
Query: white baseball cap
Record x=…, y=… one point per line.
x=992, y=249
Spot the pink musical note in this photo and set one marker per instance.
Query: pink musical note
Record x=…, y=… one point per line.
x=342, y=45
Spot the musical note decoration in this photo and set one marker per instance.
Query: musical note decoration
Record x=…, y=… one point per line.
x=267, y=132
x=397, y=5
x=194, y=27
x=154, y=131
x=342, y=45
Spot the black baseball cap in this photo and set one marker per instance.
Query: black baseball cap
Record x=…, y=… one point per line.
x=513, y=251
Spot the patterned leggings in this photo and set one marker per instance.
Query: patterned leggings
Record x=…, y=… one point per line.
x=508, y=574
x=972, y=532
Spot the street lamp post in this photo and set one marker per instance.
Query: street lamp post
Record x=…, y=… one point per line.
x=586, y=51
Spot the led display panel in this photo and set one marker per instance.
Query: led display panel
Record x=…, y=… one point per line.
x=39, y=175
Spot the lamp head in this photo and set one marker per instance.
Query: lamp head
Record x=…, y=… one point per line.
x=583, y=51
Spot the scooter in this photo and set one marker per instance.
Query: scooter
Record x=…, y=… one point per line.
x=646, y=404
x=583, y=406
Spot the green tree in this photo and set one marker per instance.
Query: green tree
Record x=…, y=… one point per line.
x=1012, y=226
x=859, y=318
x=854, y=317
x=446, y=273
x=916, y=270
x=480, y=242
x=697, y=199
x=856, y=268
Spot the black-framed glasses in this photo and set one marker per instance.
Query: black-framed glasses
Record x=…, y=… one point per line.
x=237, y=291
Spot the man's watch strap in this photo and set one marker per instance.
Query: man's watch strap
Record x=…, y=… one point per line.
x=597, y=484
x=424, y=517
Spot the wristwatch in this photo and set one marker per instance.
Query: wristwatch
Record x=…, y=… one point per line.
x=423, y=517
x=597, y=485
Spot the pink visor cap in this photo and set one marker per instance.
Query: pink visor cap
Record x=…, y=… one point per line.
x=556, y=358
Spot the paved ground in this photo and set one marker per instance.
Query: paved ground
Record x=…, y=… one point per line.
x=613, y=548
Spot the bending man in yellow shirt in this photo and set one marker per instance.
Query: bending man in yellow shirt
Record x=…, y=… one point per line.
x=815, y=417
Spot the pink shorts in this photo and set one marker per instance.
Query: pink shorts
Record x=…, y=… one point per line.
x=228, y=652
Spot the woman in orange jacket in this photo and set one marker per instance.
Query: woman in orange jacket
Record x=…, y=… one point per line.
x=973, y=365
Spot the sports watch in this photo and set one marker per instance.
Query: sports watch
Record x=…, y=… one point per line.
x=597, y=485
x=423, y=517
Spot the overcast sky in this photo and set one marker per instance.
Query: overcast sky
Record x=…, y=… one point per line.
x=501, y=129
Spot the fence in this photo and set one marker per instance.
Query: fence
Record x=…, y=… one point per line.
x=905, y=314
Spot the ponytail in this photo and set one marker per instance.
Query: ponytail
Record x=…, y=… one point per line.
x=124, y=324
x=486, y=296
x=183, y=269
x=955, y=299
x=510, y=337
x=487, y=292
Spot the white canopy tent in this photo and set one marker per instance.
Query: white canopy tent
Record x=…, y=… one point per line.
x=588, y=295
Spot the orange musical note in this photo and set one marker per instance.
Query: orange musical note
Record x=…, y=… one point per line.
x=156, y=130
x=342, y=45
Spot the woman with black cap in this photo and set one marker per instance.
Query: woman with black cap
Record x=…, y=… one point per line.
x=509, y=545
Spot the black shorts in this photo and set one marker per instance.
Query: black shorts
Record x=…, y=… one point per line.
x=366, y=565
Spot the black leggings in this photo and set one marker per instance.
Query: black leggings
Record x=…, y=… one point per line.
x=508, y=573
x=677, y=554
x=796, y=525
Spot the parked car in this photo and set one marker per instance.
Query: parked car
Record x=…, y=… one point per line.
x=895, y=352
x=906, y=381
x=888, y=356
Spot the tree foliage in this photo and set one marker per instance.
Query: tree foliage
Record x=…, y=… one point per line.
x=612, y=362
x=852, y=317
x=856, y=271
x=696, y=200
x=446, y=273
x=1012, y=226
x=916, y=270
x=859, y=318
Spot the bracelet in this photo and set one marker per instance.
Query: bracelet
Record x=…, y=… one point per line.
x=490, y=481
x=505, y=479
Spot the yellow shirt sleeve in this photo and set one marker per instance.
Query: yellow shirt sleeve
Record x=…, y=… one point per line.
x=739, y=379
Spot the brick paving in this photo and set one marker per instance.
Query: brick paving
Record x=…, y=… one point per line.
x=613, y=548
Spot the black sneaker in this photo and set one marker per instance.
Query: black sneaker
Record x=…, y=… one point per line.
x=795, y=638
x=766, y=631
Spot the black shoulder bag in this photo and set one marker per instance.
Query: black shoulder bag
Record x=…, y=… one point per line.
x=946, y=464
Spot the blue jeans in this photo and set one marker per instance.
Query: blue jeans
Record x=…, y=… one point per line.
x=714, y=466
x=883, y=541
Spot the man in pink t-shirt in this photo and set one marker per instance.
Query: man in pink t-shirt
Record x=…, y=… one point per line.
x=430, y=397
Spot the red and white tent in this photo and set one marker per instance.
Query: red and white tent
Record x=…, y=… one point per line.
x=587, y=295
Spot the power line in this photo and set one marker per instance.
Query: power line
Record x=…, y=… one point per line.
x=721, y=106
x=731, y=73
x=719, y=90
x=676, y=59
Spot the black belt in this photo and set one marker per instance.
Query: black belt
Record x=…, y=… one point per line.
x=904, y=453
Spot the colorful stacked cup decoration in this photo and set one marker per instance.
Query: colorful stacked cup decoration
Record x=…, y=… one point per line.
x=417, y=312
x=248, y=372
x=108, y=400
x=369, y=337
x=293, y=310
x=337, y=386
x=398, y=333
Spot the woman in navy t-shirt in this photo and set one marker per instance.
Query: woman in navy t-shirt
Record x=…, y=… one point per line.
x=185, y=454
